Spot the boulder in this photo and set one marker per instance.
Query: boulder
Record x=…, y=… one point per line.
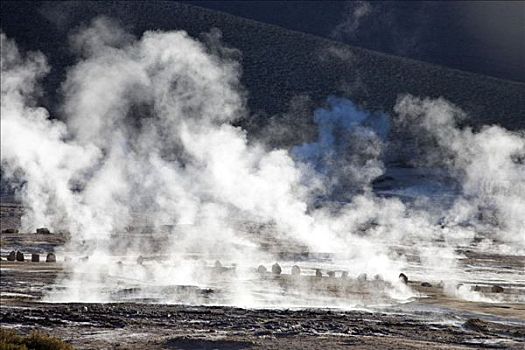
x=261, y=269
x=11, y=256
x=344, y=275
x=276, y=269
x=331, y=274
x=296, y=270
x=218, y=264
x=42, y=231
x=35, y=257
x=51, y=258
x=378, y=277
x=426, y=284
x=403, y=278
x=19, y=256
x=318, y=273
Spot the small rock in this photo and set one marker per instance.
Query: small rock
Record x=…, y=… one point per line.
x=344, y=274
x=19, y=256
x=331, y=274
x=318, y=273
x=261, y=269
x=276, y=269
x=403, y=278
x=140, y=259
x=51, y=258
x=362, y=277
x=296, y=270
x=35, y=257
x=497, y=289
x=84, y=258
x=11, y=256
x=426, y=284
x=476, y=288
x=10, y=230
x=218, y=264
x=476, y=324
x=67, y=259
x=378, y=277
x=42, y=231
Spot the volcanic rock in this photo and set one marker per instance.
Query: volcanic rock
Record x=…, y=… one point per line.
x=10, y=230
x=51, y=258
x=497, y=289
x=42, y=231
x=261, y=269
x=35, y=257
x=19, y=256
x=362, y=277
x=276, y=269
x=11, y=256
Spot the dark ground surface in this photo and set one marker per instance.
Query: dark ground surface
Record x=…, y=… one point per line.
x=432, y=321
x=139, y=326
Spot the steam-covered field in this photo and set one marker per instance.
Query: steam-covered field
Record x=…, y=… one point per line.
x=161, y=314
x=173, y=226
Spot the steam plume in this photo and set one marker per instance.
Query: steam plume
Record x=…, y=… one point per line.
x=146, y=139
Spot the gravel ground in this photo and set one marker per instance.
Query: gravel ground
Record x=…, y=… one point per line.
x=433, y=322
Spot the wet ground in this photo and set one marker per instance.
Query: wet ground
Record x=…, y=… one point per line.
x=432, y=319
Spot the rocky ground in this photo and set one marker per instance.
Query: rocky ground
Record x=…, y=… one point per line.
x=139, y=326
x=431, y=321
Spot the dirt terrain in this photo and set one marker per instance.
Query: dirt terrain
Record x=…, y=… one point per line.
x=431, y=321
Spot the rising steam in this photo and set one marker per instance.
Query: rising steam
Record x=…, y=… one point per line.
x=145, y=139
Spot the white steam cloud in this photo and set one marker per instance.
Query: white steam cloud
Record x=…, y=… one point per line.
x=146, y=142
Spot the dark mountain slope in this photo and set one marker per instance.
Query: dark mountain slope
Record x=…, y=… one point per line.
x=484, y=37
x=280, y=64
